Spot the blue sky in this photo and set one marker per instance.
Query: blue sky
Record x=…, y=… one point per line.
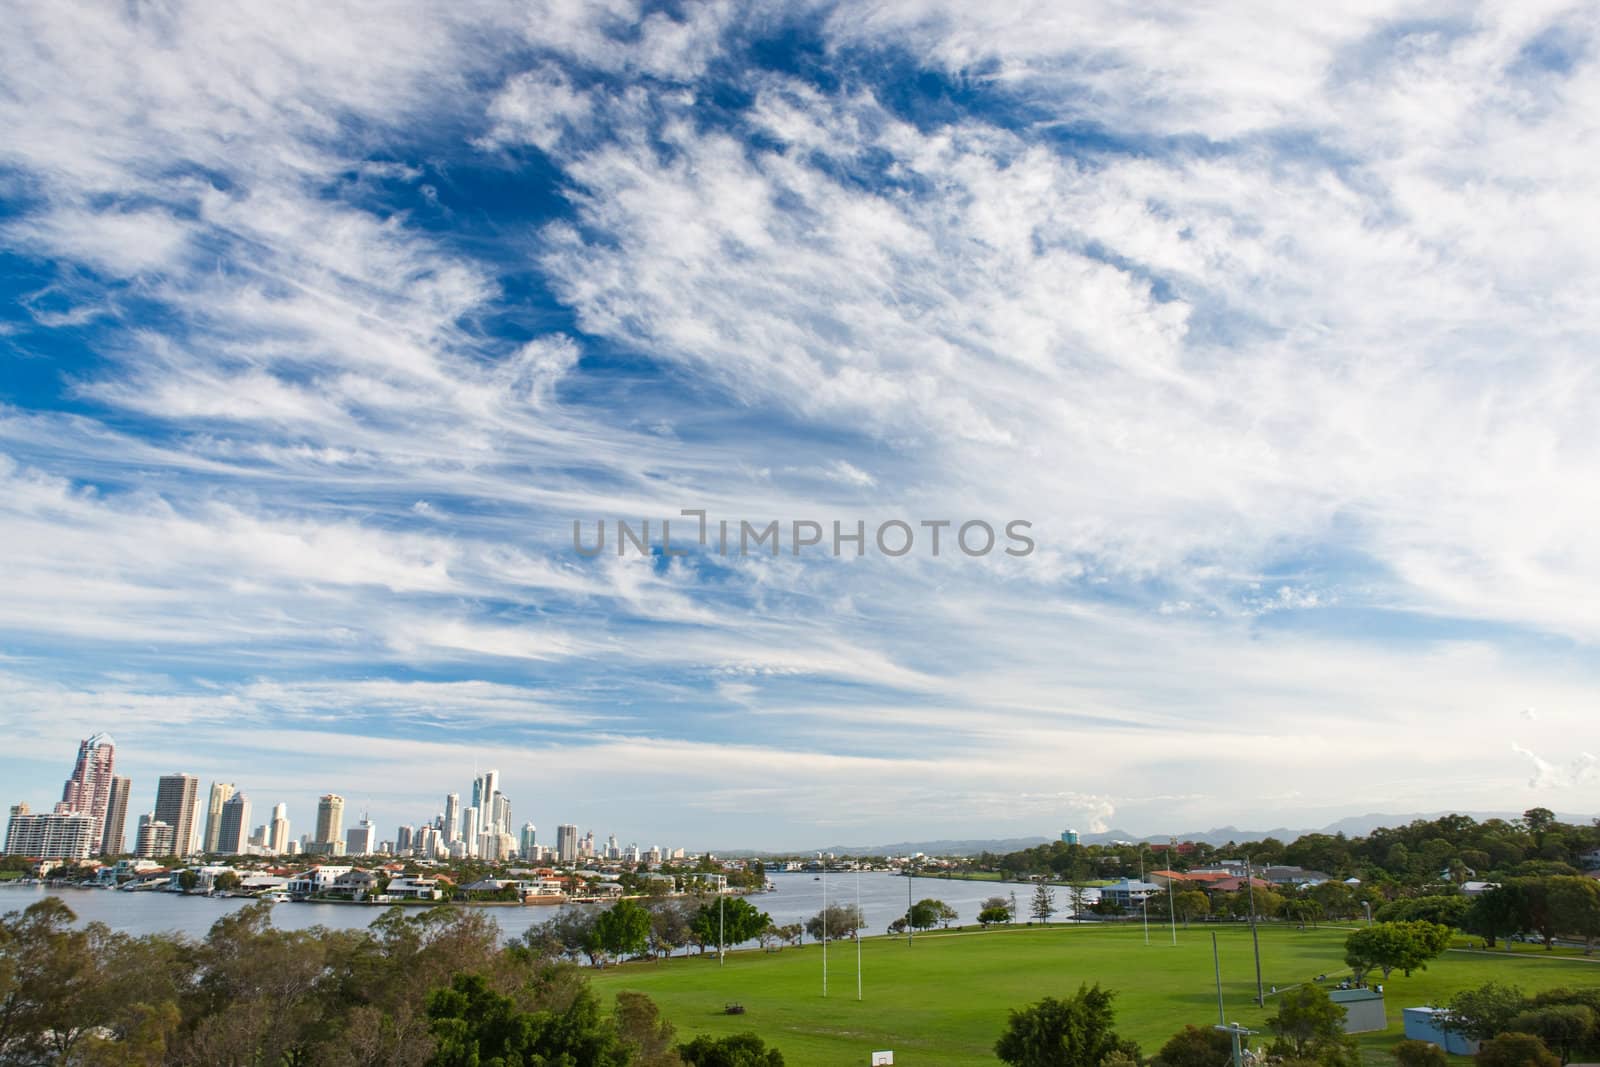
x=319, y=329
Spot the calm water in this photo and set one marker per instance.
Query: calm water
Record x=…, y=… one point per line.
x=798, y=897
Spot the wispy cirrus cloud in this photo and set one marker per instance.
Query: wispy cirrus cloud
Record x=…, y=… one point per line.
x=1278, y=331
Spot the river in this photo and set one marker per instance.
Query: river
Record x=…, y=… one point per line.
x=798, y=896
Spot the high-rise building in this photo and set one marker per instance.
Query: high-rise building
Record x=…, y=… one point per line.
x=220, y=792
x=530, y=841
x=500, y=819
x=361, y=840
x=89, y=789
x=51, y=835
x=175, y=806
x=112, y=839
x=484, y=787
x=1069, y=837
x=567, y=843
x=452, y=816
x=232, y=824
x=470, y=830
x=586, y=848
x=402, y=839
x=330, y=824
x=278, y=840
x=156, y=838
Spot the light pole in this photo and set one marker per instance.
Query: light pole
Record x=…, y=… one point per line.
x=722, y=892
x=1255, y=938
x=1144, y=898
x=1172, y=912
x=859, y=918
x=824, y=927
x=909, y=887
x=1216, y=962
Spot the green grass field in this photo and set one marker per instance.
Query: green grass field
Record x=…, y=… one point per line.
x=944, y=999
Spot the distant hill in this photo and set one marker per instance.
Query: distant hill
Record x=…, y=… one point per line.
x=1350, y=826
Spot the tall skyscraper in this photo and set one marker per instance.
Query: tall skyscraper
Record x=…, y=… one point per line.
x=566, y=843
x=112, y=840
x=402, y=839
x=330, y=824
x=362, y=840
x=500, y=817
x=469, y=830
x=233, y=824
x=220, y=792
x=89, y=789
x=175, y=806
x=530, y=841
x=278, y=830
x=484, y=787
x=452, y=816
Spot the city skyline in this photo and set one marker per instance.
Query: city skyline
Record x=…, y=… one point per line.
x=321, y=365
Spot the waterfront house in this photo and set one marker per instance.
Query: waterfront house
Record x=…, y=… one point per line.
x=316, y=880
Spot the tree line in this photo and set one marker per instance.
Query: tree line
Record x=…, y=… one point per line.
x=431, y=988
x=1453, y=847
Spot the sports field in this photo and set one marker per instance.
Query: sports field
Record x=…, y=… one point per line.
x=944, y=999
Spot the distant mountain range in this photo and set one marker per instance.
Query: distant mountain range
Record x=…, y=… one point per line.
x=1351, y=826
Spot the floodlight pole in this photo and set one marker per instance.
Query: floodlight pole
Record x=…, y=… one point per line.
x=1216, y=961
x=1255, y=937
x=909, y=888
x=824, y=927
x=722, y=892
x=1144, y=898
x=859, y=918
x=1172, y=911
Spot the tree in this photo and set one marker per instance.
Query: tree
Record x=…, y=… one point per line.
x=1336, y=899
x=472, y=1024
x=1402, y=946
x=1309, y=1025
x=736, y=1050
x=641, y=1027
x=1044, y=902
x=994, y=914
x=1560, y=1026
x=1301, y=910
x=1447, y=910
x=1516, y=1050
x=227, y=881
x=623, y=929
x=1411, y=1053
x=1496, y=913
x=1194, y=1046
x=188, y=880
x=834, y=921
x=729, y=921
x=1576, y=904
x=1483, y=1012
x=929, y=913
x=1076, y=1032
x=1191, y=904
x=669, y=925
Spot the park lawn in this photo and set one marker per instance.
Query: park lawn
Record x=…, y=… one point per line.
x=944, y=999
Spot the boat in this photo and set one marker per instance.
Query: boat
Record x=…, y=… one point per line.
x=277, y=896
x=770, y=887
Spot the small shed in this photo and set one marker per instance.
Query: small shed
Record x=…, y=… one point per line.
x=1423, y=1024
x=1363, y=1009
